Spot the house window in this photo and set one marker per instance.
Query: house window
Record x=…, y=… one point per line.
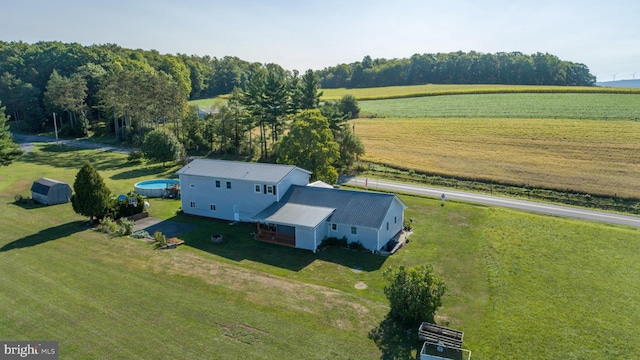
x=192, y=204
x=213, y=207
x=228, y=184
x=354, y=230
x=192, y=185
x=395, y=219
x=217, y=183
x=334, y=227
x=387, y=226
x=257, y=188
x=269, y=189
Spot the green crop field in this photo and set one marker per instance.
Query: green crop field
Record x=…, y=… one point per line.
x=521, y=286
x=538, y=106
x=410, y=91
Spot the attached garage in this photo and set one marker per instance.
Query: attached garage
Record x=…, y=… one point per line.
x=50, y=192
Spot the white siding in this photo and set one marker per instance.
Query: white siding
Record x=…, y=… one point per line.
x=204, y=193
x=305, y=238
x=295, y=177
x=367, y=236
x=395, y=219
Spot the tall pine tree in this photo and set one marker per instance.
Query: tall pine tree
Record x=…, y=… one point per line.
x=9, y=150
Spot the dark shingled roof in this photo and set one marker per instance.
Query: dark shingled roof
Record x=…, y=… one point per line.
x=42, y=185
x=358, y=208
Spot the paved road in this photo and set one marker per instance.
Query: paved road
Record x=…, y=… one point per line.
x=543, y=208
x=26, y=143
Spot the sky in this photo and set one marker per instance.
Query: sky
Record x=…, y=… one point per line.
x=314, y=34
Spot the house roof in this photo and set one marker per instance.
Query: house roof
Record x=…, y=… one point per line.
x=42, y=185
x=294, y=214
x=357, y=208
x=237, y=170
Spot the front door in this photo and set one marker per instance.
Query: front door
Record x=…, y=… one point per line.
x=236, y=213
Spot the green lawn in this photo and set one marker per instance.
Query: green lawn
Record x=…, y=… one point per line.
x=521, y=285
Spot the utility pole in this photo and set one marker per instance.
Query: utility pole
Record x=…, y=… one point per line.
x=55, y=126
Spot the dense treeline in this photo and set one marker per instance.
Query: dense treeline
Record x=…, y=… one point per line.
x=512, y=68
x=106, y=89
x=74, y=71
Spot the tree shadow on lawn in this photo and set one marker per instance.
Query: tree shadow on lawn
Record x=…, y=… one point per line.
x=46, y=235
x=396, y=340
x=239, y=244
x=158, y=170
x=73, y=157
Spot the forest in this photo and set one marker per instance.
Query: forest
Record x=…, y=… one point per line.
x=512, y=68
x=126, y=92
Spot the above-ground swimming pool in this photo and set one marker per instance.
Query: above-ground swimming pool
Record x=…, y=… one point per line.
x=158, y=188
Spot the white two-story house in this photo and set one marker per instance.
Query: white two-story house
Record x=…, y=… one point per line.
x=286, y=209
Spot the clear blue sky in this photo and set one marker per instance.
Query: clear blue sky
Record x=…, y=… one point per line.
x=604, y=35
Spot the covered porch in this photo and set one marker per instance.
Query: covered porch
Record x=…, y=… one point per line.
x=276, y=234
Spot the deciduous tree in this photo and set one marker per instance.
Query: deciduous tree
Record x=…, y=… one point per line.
x=310, y=145
x=162, y=146
x=414, y=293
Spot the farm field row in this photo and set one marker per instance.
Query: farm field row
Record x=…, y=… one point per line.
x=431, y=90
x=595, y=156
x=517, y=282
x=393, y=92
x=538, y=106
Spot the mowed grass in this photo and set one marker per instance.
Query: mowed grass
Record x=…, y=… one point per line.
x=428, y=90
x=594, y=156
x=538, y=106
x=520, y=285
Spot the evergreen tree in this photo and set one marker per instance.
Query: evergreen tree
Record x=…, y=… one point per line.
x=9, y=150
x=309, y=91
x=91, y=196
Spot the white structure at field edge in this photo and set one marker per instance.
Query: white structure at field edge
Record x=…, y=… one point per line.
x=287, y=209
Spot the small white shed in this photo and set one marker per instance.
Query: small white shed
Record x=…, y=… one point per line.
x=50, y=192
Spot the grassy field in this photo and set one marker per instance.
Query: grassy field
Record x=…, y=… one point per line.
x=211, y=103
x=521, y=285
x=537, y=106
x=595, y=156
x=410, y=91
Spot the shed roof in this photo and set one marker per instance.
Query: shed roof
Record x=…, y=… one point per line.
x=238, y=170
x=42, y=185
x=357, y=208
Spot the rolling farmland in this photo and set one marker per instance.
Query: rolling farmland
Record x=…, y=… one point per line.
x=567, y=141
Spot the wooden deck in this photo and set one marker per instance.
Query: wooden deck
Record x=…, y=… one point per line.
x=271, y=235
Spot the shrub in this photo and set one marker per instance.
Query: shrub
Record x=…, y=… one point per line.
x=356, y=245
x=107, y=225
x=140, y=234
x=126, y=207
x=334, y=242
x=126, y=227
x=136, y=156
x=161, y=240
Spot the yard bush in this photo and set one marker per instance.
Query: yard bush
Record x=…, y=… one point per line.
x=126, y=227
x=161, y=240
x=107, y=225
